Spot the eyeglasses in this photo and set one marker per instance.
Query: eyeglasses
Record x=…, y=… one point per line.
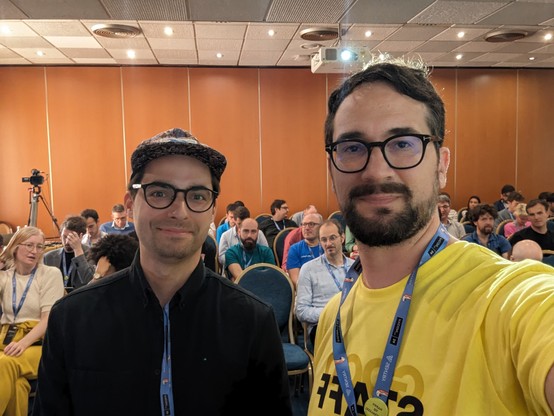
x=400, y=151
x=332, y=238
x=310, y=224
x=161, y=195
x=30, y=247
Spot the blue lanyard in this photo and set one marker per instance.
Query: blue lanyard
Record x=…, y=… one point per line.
x=23, y=296
x=311, y=249
x=166, y=384
x=330, y=270
x=277, y=225
x=246, y=260
x=377, y=405
x=66, y=272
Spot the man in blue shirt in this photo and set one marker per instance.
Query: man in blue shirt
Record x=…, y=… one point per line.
x=119, y=225
x=483, y=219
x=307, y=249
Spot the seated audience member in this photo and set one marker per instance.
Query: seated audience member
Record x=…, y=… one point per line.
x=93, y=234
x=526, y=249
x=483, y=218
x=119, y=224
x=307, y=249
x=36, y=287
x=502, y=203
x=453, y=227
x=112, y=253
x=512, y=200
x=71, y=259
x=452, y=214
x=292, y=238
x=247, y=252
x=520, y=222
x=298, y=216
x=472, y=202
x=231, y=237
x=278, y=221
x=350, y=245
x=228, y=223
x=538, y=230
x=321, y=278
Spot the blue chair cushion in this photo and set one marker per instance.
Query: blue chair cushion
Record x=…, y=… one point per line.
x=295, y=356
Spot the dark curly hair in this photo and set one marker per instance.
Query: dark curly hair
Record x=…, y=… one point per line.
x=120, y=250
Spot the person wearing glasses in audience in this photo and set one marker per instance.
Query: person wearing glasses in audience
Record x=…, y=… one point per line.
x=307, y=249
x=278, y=221
x=322, y=278
x=425, y=323
x=28, y=289
x=166, y=335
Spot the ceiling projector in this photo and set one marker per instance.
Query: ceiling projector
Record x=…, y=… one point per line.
x=338, y=60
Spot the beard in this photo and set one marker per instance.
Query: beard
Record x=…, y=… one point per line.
x=487, y=230
x=389, y=228
x=248, y=244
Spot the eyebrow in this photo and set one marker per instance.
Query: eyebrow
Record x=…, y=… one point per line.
x=351, y=135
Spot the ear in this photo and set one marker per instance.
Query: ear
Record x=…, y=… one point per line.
x=444, y=163
x=330, y=170
x=128, y=203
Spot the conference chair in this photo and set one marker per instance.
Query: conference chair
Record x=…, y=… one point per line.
x=279, y=244
x=337, y=215
x=262, y=217
x=500, y=227
x=272, y=285
x=548, y=257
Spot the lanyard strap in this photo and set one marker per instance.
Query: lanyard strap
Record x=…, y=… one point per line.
x=245, y=259
x=277, y=225
x=388, y=361
x=166, y=384
x=66, y=271
x=330, y=270
x=16, y=309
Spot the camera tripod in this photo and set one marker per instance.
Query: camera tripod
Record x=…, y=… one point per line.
x=34, y=197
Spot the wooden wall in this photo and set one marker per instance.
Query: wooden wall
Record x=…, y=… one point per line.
x=81, y=124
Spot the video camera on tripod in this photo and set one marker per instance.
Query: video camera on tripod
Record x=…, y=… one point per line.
x=36, y=179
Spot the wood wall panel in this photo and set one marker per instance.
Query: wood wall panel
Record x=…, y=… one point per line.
x=23, y=142
x=155, y=99
x=86, y=133
x=293, y=108
x=486, y=132
x=535, y=132
x=225, y=115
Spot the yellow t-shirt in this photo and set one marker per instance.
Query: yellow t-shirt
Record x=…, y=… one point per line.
x=479, y=339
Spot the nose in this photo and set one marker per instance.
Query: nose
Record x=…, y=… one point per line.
x=377, y=167
x=178, y=207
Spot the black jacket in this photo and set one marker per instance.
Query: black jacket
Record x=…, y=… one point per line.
x=103, y=350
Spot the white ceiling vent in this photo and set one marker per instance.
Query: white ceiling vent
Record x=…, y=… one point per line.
x=115, y=31
x=506, y=35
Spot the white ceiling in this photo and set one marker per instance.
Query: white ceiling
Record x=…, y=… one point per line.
x=238, y=29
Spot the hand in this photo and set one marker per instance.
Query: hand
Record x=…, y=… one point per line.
x=15, y=349
x=74, y=241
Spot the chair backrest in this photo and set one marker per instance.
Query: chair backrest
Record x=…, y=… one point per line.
x=279, y=244
x=272, y=285
x=468, y=227
x=5, y=228
x=339, y=217
x=500, y=227
x=262, y=217
x=209, y=250
x=548, y=257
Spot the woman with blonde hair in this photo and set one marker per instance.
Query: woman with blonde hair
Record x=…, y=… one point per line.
x=520, y=222
x=28, y=289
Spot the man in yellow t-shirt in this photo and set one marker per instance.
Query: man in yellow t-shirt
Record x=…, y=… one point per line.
x=427, y=324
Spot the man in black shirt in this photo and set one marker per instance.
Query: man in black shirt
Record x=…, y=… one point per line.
x=538, y=231
x=277, y=222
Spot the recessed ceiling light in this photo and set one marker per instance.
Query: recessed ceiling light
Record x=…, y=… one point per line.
x=168, y=31
x=459, y=56
x=548, y=36
x=40, y=53
x=5, y=30
x=368, y=33
x=531, y=58
x=461, y=34
x=219, y=55
x=131, y=54
x=271, y=32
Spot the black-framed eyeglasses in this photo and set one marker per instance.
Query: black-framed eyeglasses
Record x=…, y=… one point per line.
x=401, y=151
x=160, y=195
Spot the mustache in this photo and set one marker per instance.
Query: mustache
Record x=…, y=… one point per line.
x=380, y=188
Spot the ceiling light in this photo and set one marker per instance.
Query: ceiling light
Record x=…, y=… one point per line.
x=461, y=34
x=219, y=55
x=368, y=33
x=6, y=30
x=382, y=56
x=506, y=35
x=115, y=31
x=318, y=34
x=347, y=55
x=271, y=32
x=40, y=53
x=459, y=56
x=531, y=58
x=131, y=54
x=548, y=36
x=168, y=31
